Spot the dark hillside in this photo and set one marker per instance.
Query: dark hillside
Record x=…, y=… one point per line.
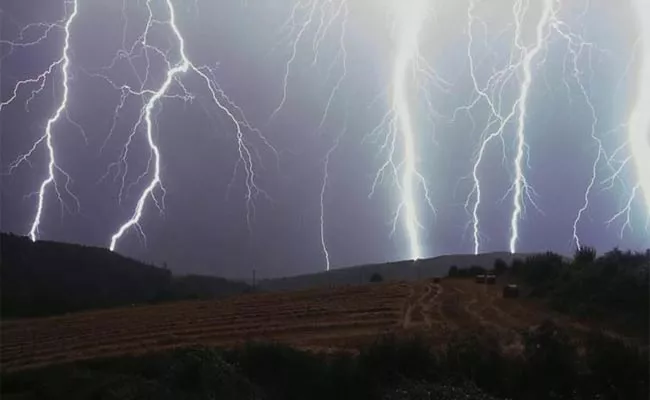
x=45, y=278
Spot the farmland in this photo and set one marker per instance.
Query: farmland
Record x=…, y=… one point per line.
x=336, y=318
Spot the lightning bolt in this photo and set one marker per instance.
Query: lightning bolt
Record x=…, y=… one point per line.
x=324, y=185
x=639, y=122
x=318, y=18
x=521, y=60
x=637, y=125
x=529, y=55
x=505, y=94
x=47, y=138
x=409, y=20
x=223, y=103
x=520, y=68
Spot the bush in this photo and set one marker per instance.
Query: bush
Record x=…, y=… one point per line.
x=584, y=255
x=376, y=277
x=469, y=366
x=615, y=285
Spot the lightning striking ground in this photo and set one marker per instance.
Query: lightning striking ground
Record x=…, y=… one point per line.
x=320, y=19
x=321, y=28
x=47, y=139
x=639, y=122
x=519, y=68
x=398, y=127
x=520, y=180
x=521, y=60
x=222, y=102
x=409, y=22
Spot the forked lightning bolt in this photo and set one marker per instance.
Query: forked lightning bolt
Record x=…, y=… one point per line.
x=520, y=63
x=520, y=70
x=63, y=63
x=638, y=124
x=219, y=98
x=522, y=106
x=318, y=18
x=506, y=93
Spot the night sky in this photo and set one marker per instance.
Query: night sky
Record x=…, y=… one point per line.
x=247, y=44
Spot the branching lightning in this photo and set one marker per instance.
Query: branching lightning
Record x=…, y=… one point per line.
x=520, y=69
x=149, y=75
x=219, y=98
x=637, y=126
x=319, y=18
x=410, y=20
x=529, y=56
x=63, y=63
x=520, y=62
x=639, y=122
x=398, y=123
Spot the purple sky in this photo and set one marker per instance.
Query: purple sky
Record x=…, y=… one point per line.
x=203, y=226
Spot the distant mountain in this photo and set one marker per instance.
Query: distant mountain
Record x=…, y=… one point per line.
x=45, y=278
x=400, y=270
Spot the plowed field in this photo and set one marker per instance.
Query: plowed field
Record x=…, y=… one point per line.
x=319, y=318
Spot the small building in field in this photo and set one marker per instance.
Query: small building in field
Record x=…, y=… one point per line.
x=480, y=278
x=490, y=279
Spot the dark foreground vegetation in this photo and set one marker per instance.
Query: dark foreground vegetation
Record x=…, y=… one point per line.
x=548, y=366
x=614, y=286
x=47, y=278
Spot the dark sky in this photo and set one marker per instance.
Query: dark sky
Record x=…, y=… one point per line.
x=203, y=225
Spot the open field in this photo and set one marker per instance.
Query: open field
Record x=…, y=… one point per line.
x=341, y=317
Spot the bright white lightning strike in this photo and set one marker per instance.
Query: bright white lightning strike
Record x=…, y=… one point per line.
x=639, y=122
x=410, y=18
x=316, y=19
x=521, y=60
x=52, y=166
x=172, y=75
x=520, y=180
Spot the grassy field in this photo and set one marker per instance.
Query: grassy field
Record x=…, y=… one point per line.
x=319, y=319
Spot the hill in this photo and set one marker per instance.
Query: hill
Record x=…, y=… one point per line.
x=400, y=270
x=46, y=278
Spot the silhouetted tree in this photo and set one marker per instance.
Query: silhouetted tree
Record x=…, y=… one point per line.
x=615, y=285
x=584, y=255
x=453, y=271
x=376, y=277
